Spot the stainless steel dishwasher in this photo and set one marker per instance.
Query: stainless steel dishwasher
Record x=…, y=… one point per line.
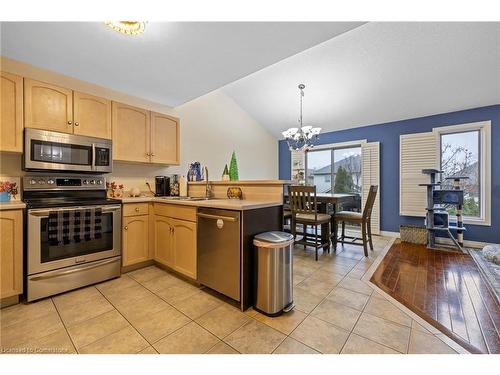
x=219, y=250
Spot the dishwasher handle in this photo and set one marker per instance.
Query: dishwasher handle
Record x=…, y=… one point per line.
x=217, y=217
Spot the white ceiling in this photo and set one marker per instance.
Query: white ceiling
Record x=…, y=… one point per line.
x=172, y=62
x=379, y=72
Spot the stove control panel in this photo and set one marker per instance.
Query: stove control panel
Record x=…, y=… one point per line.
x=57, y=182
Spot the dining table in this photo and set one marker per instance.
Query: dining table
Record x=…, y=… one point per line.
x=323, y=199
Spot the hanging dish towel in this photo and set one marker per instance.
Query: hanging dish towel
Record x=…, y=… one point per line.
x=74, y=226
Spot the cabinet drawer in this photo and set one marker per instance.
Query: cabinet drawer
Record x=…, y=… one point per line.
x=176, y=211
x=133, y=209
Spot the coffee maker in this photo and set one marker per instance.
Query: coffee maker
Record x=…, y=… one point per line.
x=162, y=184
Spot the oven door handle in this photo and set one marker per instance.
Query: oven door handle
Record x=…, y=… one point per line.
x=45, y=213
x=93, y=157
x=50, y=275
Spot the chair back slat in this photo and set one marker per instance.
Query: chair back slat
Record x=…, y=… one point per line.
x=303, y=199
x=370, y=201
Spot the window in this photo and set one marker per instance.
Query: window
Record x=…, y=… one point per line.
x=341, y=176
x=460, y=158
x=464, y=151
x=347, y=170
x=318, y=167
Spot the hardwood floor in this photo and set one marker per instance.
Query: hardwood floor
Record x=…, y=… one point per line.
x=446, y=289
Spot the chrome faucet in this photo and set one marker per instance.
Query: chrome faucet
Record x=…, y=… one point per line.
x=208, y=188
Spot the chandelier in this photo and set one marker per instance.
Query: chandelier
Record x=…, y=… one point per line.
x=300, y=139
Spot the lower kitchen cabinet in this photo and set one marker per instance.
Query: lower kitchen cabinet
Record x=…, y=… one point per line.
x=11, y=253
x=184, y=247
x=163, y=240
x=135, y=239
x=175, y=244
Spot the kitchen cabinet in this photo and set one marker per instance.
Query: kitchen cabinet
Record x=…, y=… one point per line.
x=48, y=107
x=131, y=133
x=184, y=247
x=55, y=108
x=175, y=237
x=143, y=136
x=135, y=247
x=11, y=116
x=164, y=139
x=163, y=241
x=91, y=115
x=11, y=253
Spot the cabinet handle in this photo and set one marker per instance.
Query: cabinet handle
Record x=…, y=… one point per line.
x=125, y=227
x=152, y=154
x=137, y=209
x=70, y=122
x=147, y=154
x=77, y=123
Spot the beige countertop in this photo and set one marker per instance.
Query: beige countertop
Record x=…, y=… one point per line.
x=12, y=205
x=243, y=182
x=229, y=204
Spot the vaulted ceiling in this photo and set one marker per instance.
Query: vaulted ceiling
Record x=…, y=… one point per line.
x=355, y=73
x=172, y=62
x=379, y=72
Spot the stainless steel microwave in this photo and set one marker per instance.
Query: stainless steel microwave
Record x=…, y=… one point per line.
x=48, y=150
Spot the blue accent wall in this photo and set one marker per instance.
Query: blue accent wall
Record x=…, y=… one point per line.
x=388, y=136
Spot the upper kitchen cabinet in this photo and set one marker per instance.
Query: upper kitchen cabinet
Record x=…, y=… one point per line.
x=131, y=133
x=11, y=116
x=48, y=107
x=164, y=139
x=92, y=115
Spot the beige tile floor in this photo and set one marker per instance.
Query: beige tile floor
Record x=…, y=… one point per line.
x=153, y=311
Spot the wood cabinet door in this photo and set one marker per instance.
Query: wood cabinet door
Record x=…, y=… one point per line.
x=164, y=139
x=131, y=133
x=48, y=107
x=185, y=247
x=11, y=253
x=11, y=116
x=91, y=115
x=163, y=243
x=135, y=239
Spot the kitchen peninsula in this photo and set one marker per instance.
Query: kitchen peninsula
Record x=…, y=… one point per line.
x=209, y=241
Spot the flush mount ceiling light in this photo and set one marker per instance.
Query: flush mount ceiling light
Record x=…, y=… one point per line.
x=300, y=139
x=127, y=27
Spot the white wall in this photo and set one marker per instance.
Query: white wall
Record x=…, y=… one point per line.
x=212, y=126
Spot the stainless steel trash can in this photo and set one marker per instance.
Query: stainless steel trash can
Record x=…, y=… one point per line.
x=274, y=272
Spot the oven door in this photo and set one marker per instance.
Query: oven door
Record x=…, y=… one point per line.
x=42, y=256
x=46, y=150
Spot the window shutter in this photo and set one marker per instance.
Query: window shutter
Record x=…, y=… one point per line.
x=417, y=152
x=371, y=176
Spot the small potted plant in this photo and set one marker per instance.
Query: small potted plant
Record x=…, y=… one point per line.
x=7, y=190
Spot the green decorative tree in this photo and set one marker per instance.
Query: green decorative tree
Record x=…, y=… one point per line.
x=343, y=182
x=233, y=168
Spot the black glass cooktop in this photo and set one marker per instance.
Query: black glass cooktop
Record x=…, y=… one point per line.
x=52, y=199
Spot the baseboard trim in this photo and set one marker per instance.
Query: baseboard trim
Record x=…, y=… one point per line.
x=441, y=240
x=9, y=301
x=389, y=234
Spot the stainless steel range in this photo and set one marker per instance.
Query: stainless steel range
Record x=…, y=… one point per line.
x=73, y=233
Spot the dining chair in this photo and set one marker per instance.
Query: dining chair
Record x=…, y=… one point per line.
x=363, y=219
x=304, y=207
